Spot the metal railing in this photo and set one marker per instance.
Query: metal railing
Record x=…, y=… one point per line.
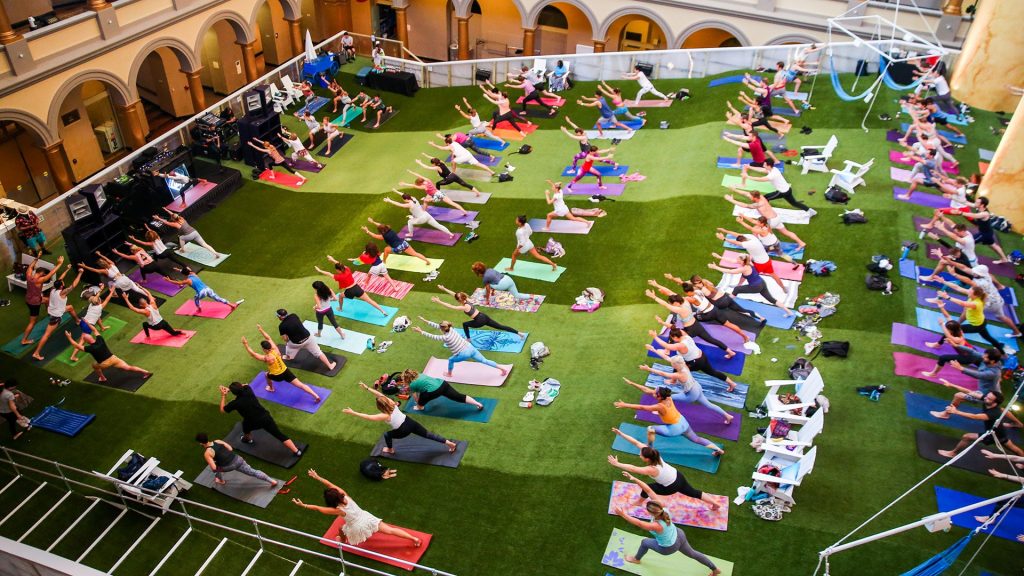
x=189, y=510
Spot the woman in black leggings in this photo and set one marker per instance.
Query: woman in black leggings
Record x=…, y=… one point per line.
x=683, y=317
x=323, y=306
x=666, y=479
x=696, y=360
x=754, y=282
x=427, y=388
x=401, y=424
x=477, y=319
x=723, y=301
x=447, y=176
x=953, y=335
x=160, y=250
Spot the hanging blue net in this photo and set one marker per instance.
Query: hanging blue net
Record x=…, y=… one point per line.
x=940, y=562
x=843, y=94
x=883, y=64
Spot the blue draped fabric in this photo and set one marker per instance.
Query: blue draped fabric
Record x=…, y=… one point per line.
x=940, y=562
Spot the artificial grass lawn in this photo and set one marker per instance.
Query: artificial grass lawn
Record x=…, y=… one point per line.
x=531, y=494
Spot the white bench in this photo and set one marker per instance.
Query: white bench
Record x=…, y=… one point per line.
x=13, y=280
x=161, y=497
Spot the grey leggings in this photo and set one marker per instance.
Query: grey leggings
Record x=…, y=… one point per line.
x=242, y=466
x=681, y=545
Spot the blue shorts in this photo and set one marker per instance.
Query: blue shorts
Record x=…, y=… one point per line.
x=400, y=248
x=36, y=242
x=791, y=75
x=86, y=329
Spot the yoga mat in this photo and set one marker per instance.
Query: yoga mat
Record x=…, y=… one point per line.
x=490, y=161
x=774, y=315
x=338, y=143
x=983, y=168
x=547, y=101
x=265, y=447
x=986, y=155
x=383, y=119
x=725, y=335
x=797, y=96
x=354, y=342
x=241, y=487
x=539, y=113
x=974, y=460
x=135, y=297
x=508, y=134
x=349, y=115
x=932, y=319
x=786, y=294
x=1007, y=527
x=908, y=269
x=924, y=294
x=488, y=144
x=451, y=215
x=609, y=134
x=650, y=103
x=317, y=103
x=197, y=253
x=603, y=169
x=914, y=337
x=380, y=543
x=497, y=340
x=911, y=366
x=634, y=124
x=505, y=125
x=282, y=178
x=559, y=226
x=119, y=379
x=506, y=301
x=161, y=338
x=156, y=283
x=192, y=195
x=769, y=138
x=894, y=136
x=380, y=286
x=783, y=269
x=288, y=395
x=113, y=324
x=444, y=408
x=674, y=450
x=730, y=162
x=787, y=215
x=411, y=264
x=527, y=269
x=473, y=373
x=951, y=136
x=306, y=166
x=729, y=180
x=716, y=356
x=791, y=249
x=738, y=79
x=922, y=272
x=682, y=509
x=785, y=111
x=897, y=157
x=1006, y=269
x=306, y=361
x=468, y=197
x=899, y=174
x=714, y=389
x=622, y=544
x=62, y=421
x=920, y=198
x=432, y=236
x=475, y=174
x=920, y=407
x=702, y=419
x=590, y=189
x=361, y=311
x=422, y=451
x=210, y=310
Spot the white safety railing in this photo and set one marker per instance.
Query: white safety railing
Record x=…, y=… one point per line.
x=266, y=534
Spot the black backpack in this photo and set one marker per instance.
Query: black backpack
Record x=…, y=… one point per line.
x=1000, y=224
x=801, y=369
x=372, y=469
x=879, y=283
x=835, y=348
x=504, y=177
x=854, y=218
x=837, y=195
x=525, y=149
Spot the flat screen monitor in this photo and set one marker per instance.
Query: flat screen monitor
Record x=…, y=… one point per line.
x=178, y=181
x=253, y=102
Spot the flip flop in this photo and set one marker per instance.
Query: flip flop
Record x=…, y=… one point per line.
x=289, y=482
x=284, y=490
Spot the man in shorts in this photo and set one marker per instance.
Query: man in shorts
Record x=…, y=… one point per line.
x=95, y=346
x=348, y=46
x=27, y=223
x=991, y=410
x=764, y=208
x=297, y=338
x=758, y=254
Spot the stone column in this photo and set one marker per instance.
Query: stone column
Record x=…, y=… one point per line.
x=598, y=46
x=195, y=90
x=249, y=61
x=58, y=162
x=529, y=44
x=7, y=34
x=463, y=38
x=132, y=132
x=992, y=58
x=1005, y=177
x=295, y=31
x=401, y=25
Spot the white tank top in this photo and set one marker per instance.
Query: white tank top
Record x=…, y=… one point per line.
x=666, y=474
x=158, y=246
x=769, y=239
x=703, y=304
x=153, y=316
x=415, y=209
x=692, y=352
x=93, y=314
x=558, y=202
x=58, y=304
x=396, y=418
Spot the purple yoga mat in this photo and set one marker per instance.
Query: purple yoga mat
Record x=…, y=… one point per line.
x=431, y=236
x=451, y=215
x=287, y=395
x=921, y=198
x=702, y=419
x=923, y=294
x=589, y=189
x=485, y=160
x=727, y=336
x=911, y=365
x=1006, y=269
x=914, y=337
x=306, y=166
x=894, y=136
x=716, y=357
x=156, y=283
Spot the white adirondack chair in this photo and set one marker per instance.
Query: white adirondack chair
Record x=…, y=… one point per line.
x=291, y=88
x=815, y=158
x=281, y=99
x=793, y=469
x=796, y=442
x=851, y=176
x=806, y=390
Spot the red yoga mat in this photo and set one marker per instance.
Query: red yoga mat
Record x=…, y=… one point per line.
x=783, y=269
x=528, y=128
x=547, y=101
x=380, y=543
x=161, y=338
x=210, y=310
x=282, y=178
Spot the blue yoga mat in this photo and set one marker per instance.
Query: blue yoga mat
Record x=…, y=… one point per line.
x=62, y=421
x=497, y=341
x=634, y=124
x=791, y=249
x=714, y=389
x=730, y=162
x=604, y=169
x=674, y=450
x=488, y=144
x=714, y=355
x=1009, y=528
x=774, y=315
x=952, y=137
x=485, y=160
x=317, y=103
x=919, y=407
x=931, y=319
x=445, y=408
x=361, y=311
x=729, y=80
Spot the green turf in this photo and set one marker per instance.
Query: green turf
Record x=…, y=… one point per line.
x=531, y=494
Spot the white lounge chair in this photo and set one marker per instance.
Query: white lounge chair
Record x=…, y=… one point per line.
x=281, y=99
x=161, y=496
x=291, y=88
x=815, y=158
x=806, y=390
x=796, y=442
x=27, y=259
x=851, y=176
x=792, y=468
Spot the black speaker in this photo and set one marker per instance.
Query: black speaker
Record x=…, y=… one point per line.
x=646, y=68
x=483, y=75
x=262, y=127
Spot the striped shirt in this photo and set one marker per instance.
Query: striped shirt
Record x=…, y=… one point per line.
x=455, y=343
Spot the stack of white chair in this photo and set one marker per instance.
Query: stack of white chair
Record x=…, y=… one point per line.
x=815, y=158
x=281, y=99
x=161, y=496
x=851, y=176
x=291, y=88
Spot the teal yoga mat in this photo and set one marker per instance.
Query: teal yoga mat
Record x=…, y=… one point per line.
x=354, y=342
x=527, y=269
x=349, y=116
x=932, y=319
x=773, y=314
x=676, y=450
x=360, y=311
x=445, y=408
x=497, y=340
x=15, y=348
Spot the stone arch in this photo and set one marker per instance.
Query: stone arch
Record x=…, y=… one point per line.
x=793, y=39
x=633, y=11
x=736, y=32
x=120, y=93
x=31, y=122
x=292, y=10
x=530, y=18
x=242, y=29
x=186, y=58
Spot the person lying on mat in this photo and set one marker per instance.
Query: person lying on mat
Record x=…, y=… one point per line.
x=425, y=389
x=684, y=317
x=667, y=537
x=95, y=346
x=673, y=423
x=201, y=289
x=687, y=351
x=763, y=207
x=953, y=335
x=494, y=280
x=347, y=284
x=461, y=348
x=277, y=371
x=667, y=479
x=432, y=194
x=980, y=277
x=395, y=244
x=221, y=458
x=379, y=106
x=254, y=415
x=359, y=524
x=751, y=281
x=556, y=199
x=705, y=311
x=477, y=319
x=990, y=413
x=401, y=425
x=478, y=126
x=690, y=391
x=56, y=307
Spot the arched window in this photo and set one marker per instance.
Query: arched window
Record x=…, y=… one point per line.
x=552, y=17
x=475, y=8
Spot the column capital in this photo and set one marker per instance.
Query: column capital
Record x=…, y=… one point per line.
x=97, y=5
x=7, y=34
x=953, y=7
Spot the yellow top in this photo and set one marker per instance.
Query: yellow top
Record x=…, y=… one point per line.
x=975, y=316
x=275, y=365
x=671, y=415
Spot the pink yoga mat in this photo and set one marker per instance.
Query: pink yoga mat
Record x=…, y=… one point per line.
x=467, y=372
x=1006, y=269
x=156, y=283
x=282, y=178
x=547, y=101
x=914, y=337
x=589, y=189
x=899, y=174
x=921, y=197
x=682, y=509
x=210, y=310
x=782, y=268
x=431, y=236
x=380, y=286
x=192, y=195
x=161, y=338
x=442, y=214
x=649, y=103
x=911, y=365
x=559, y=226
x=702, y=419
x=288, y=395
x=897, y=157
